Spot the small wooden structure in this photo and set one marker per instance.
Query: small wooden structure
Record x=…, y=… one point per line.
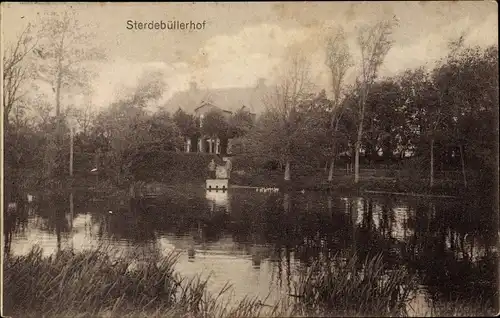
x=221, y=181
x=217, y=184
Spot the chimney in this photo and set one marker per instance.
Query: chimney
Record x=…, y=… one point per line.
x=193, y=86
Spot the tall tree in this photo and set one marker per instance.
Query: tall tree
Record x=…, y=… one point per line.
x=384, y=127
x=157, y=135
x=374, y=43
x=430, y=113
x=293, y=88
x=185, y=122
x=127, y=128
x=16, y=140
x=62, y=54
x=338, y=60
x=468, y=79
x=240, y=123
x=15, y=72
x=63, y=50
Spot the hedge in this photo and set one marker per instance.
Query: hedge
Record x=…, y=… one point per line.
x=168, y=166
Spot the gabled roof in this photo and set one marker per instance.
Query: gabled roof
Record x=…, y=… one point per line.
x=230, y=99
x=211, y=105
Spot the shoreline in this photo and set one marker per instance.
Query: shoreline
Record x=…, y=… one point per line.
x=342, y=184
x=410, y=194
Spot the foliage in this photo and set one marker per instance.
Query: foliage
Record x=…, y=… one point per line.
x=215, y=124
x=91, y=283
x=170, y=167
x=350, y=288
x=443, y=117
x=374, y=43
x=240, y=124
x=453, y=105
x=186, y=123
x=15, y=73
x=62, y=50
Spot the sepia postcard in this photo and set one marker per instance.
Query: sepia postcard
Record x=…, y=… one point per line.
x=250, y=159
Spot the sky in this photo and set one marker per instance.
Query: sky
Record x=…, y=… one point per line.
x=242, y=42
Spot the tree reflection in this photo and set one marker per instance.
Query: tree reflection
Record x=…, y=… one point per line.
x=449, y=244
x=452, y=265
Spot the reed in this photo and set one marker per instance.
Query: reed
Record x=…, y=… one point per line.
x=92, y=284
x=353, y=287
x=479, y=307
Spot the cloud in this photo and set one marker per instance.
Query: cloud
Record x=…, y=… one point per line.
x=240, y=46
x=238, y=59
x=121, y=75
x=257, y=51
x=485, y=33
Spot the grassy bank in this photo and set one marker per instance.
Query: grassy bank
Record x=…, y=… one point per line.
x=345, y=183
x=181, y=169
x=90, y=284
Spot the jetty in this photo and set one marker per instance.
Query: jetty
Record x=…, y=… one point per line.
x=221, y=181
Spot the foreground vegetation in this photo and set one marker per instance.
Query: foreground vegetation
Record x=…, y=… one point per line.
x=90, y=284
x=346, y=288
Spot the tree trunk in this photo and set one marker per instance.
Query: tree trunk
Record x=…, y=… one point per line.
x=287, y=170
x=431, y=184
x=58, y=93
x=356, y=162
x=332, y=162
x=71, y=153
x=358, y=143
x=463, y=165
x=332, y=168
x=96, y=163
x=48, y=160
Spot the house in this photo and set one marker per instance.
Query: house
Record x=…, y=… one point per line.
x=199, y=102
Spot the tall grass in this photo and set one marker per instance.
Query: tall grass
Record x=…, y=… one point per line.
x=355, y=287
x=480, y=307
x=91, y=284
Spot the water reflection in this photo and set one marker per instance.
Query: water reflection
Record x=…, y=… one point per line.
x=260, y=241
x=218, y=200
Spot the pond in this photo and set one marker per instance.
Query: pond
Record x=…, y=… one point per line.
x=259, y=241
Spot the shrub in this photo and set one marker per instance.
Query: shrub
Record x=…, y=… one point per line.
x=167, y=166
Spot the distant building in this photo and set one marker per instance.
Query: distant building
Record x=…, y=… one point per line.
x=227, y=100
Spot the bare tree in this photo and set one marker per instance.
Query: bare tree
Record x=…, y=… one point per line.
x=338, y=60
x=293, y=87
x=61, y=60
x=15, y=71
x=374, y=43
x=62, y=53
